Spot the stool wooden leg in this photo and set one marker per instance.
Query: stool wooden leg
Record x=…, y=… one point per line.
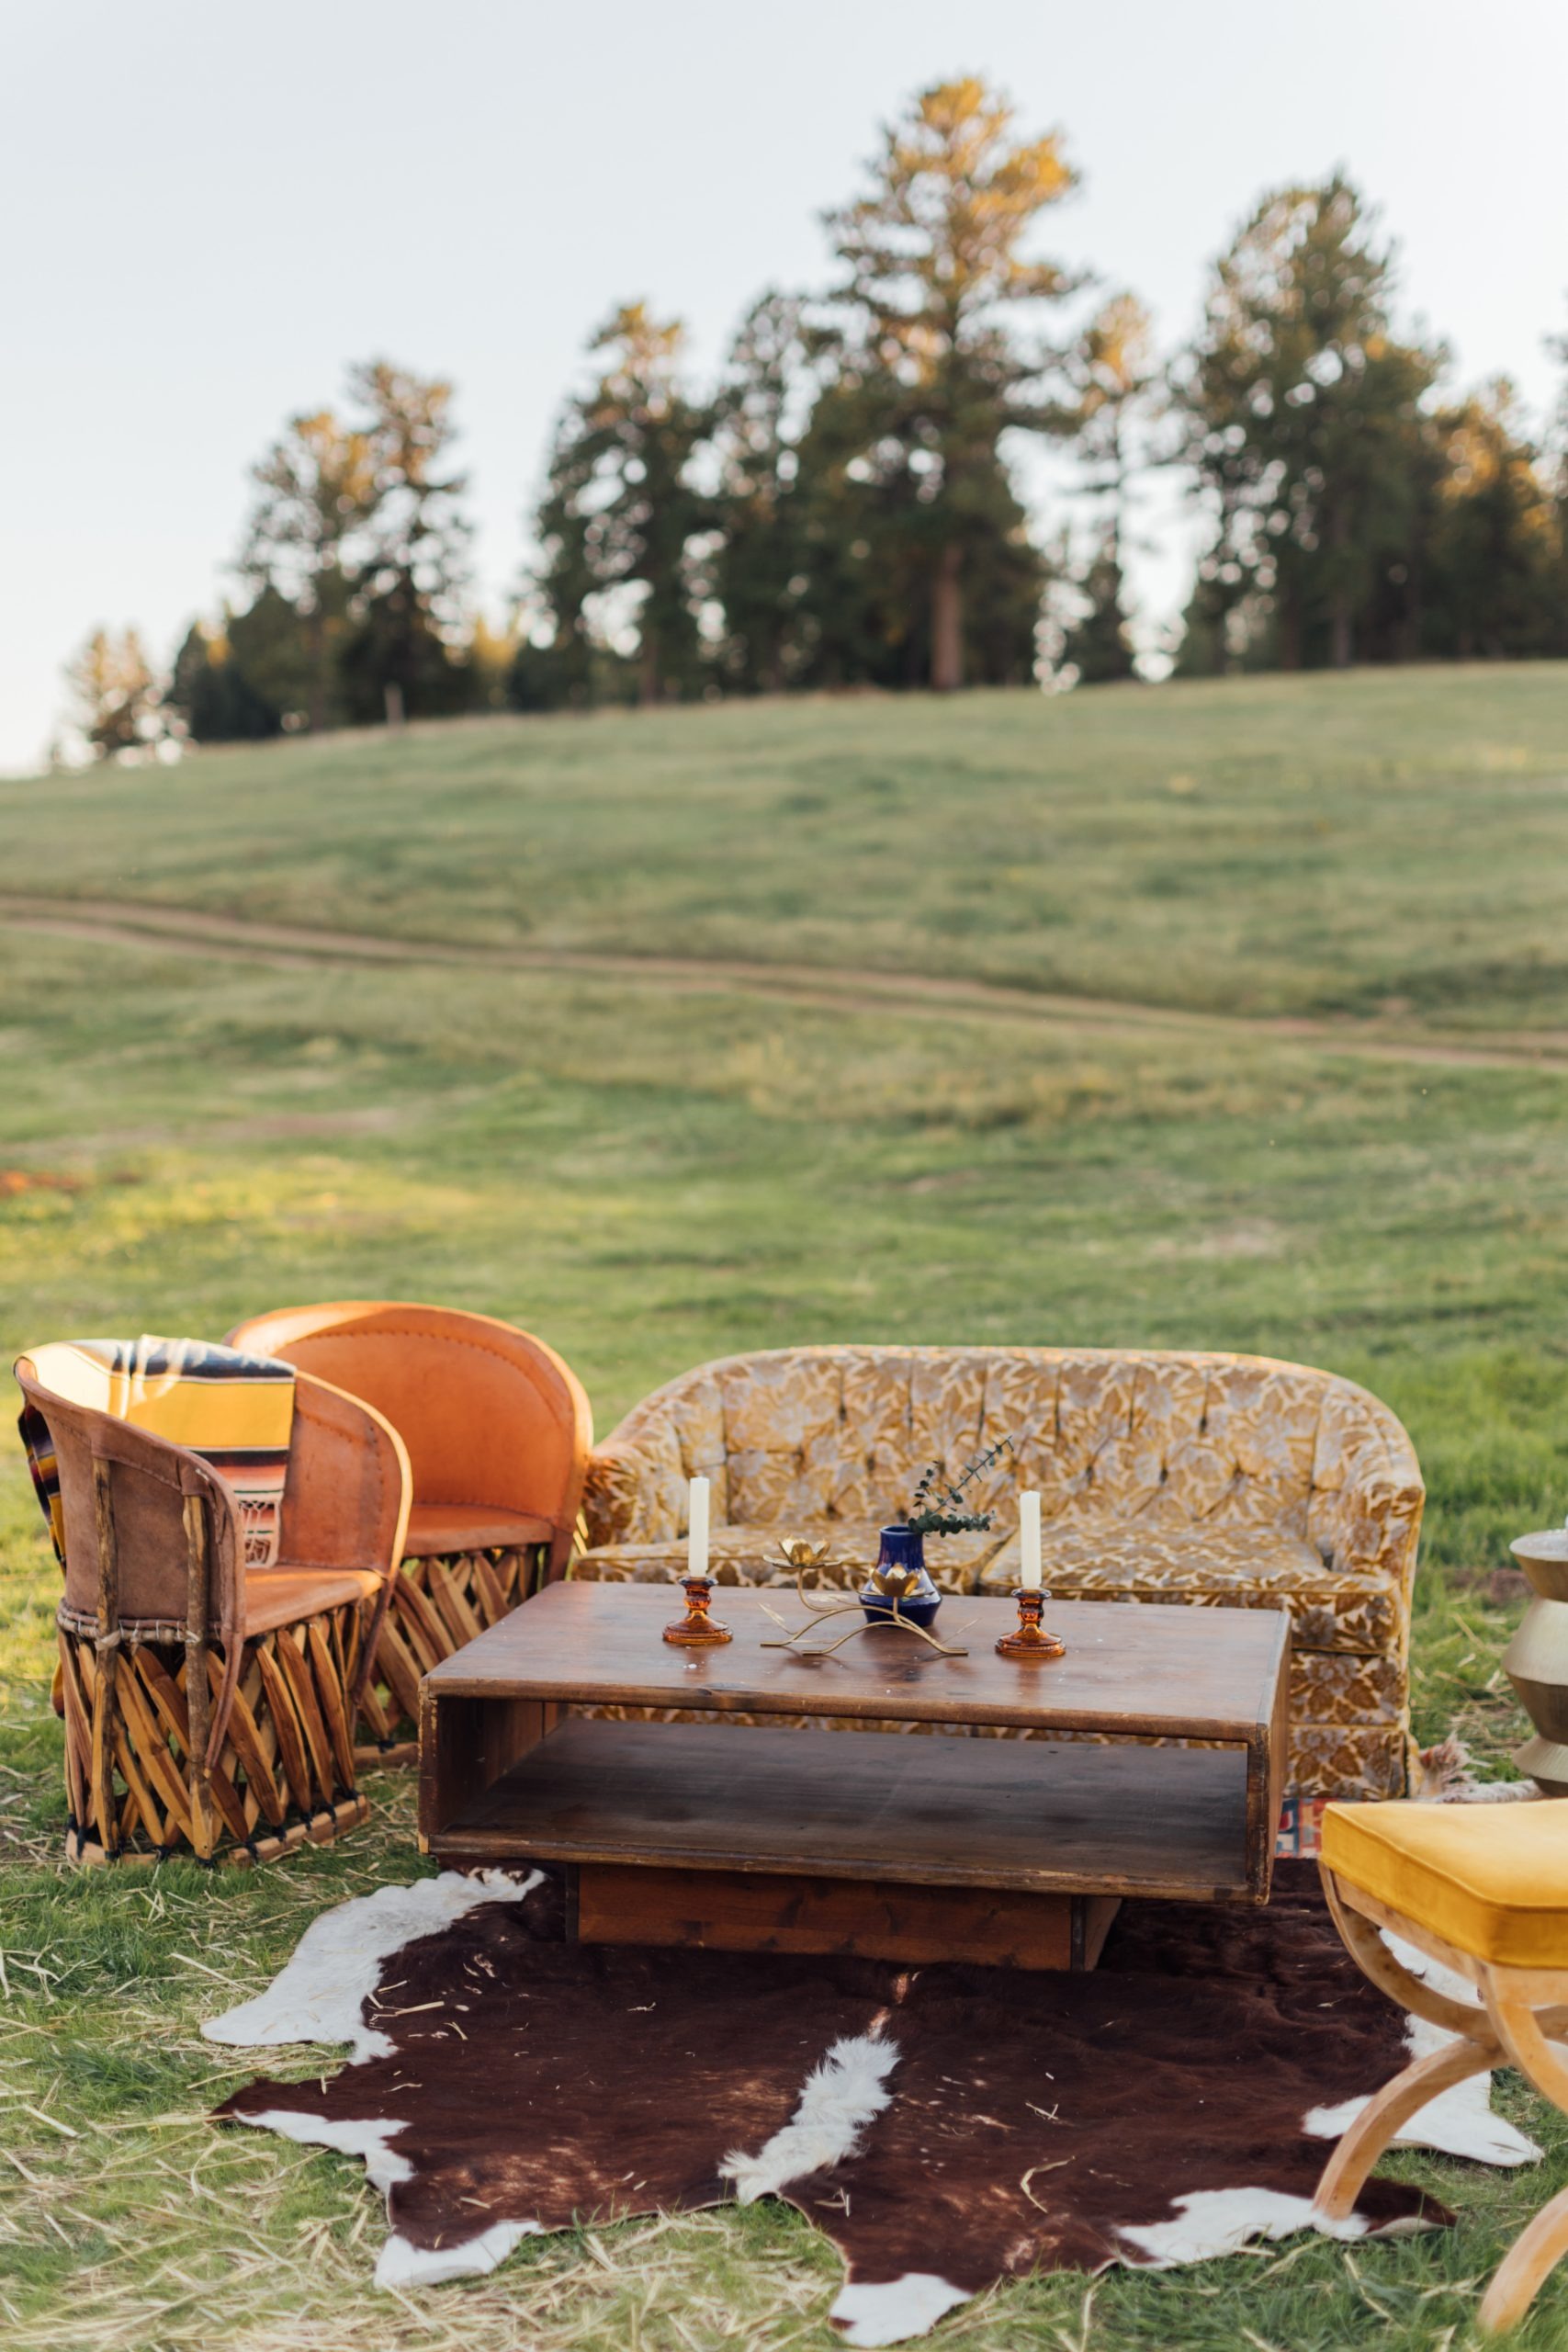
x=1524, y=2269
x=1540, y=2246
x=1383, y=2118
x=1518, y=2027
x=1523, y=2015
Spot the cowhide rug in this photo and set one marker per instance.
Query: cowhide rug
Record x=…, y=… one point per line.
x=946, y=2127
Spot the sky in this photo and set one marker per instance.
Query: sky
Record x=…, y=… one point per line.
x=210, y=211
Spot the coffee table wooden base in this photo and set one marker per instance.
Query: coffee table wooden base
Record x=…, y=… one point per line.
x=746, y=1840
x=792, y=1835
x=749, y=1911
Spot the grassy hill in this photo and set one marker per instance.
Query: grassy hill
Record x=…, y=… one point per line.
x=1266, y=845
x=1282, y=1066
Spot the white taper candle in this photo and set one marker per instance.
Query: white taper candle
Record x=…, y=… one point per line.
x=698, y=1526
x=1029, y=1538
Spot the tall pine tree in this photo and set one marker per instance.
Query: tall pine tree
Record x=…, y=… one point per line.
x=1111, y=377
x=932, y=370
x=761, y=567
x=1304, y=421
x=316, y=491
x=1493, y=562
x=621, y=512
x=404, y=655
x=114, y=691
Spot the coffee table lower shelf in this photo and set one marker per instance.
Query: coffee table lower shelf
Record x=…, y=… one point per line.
x=1005, y=1852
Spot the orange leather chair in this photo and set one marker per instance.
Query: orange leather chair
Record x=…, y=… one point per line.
x=498, y=1432
x=209, y=1706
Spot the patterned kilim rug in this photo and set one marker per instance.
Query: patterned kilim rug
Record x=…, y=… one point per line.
x=945, y=2127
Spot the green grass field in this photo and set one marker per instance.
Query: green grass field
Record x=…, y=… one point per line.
x=1315, y=1108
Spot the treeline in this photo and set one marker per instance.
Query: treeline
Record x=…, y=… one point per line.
x=842, y=507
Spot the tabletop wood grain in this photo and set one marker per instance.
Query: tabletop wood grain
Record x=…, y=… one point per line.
x=1146, y=1669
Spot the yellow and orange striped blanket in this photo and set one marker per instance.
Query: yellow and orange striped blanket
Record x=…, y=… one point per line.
x=236, y=1411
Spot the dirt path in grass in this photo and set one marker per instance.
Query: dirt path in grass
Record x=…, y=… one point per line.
x=834, y=987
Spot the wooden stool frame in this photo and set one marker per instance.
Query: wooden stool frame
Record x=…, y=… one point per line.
x=1521, y=2010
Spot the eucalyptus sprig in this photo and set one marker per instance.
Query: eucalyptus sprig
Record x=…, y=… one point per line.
x=938, y=1500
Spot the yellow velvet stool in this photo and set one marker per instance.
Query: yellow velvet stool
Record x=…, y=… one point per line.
x=1483, y=1890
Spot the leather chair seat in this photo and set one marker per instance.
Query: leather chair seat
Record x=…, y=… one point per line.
x=471, y=1527
x=275, y=1597
x=1491, y=1879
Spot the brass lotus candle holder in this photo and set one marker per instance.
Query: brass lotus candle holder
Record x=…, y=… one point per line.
x=895, y=1584
x=1029, y=1637
x=696, y=1629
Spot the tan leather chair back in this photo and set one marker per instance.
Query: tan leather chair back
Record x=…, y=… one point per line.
x=490, y=1416
x=349, y=1489
x=147, y=1481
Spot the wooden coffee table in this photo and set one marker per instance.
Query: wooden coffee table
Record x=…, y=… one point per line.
x=741, y=1836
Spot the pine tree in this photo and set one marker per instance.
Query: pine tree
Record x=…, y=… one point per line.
x=1492, y=566
x=404, y=656
x=212, y=696
x=1096, y=644
x=316, y=493
x=761, y=567
x=931, y=372
x=116, y=695
x=1304, y=420
x=621, y=520
x=1555, y=473
x=1113, y=374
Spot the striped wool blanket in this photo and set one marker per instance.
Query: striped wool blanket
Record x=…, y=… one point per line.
x=236, y=1411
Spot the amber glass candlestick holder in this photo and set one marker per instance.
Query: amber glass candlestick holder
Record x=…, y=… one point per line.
x=1029, y=1637
x=696, y=1629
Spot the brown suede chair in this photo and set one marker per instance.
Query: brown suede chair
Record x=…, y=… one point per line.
x=499, y=1433
x=209, y=1705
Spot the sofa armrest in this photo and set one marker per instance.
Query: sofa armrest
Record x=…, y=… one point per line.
x=1368, y=1492
x=1375, y=1526
x=627, y=1498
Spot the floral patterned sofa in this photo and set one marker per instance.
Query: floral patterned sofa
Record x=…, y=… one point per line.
x=1216, y=1480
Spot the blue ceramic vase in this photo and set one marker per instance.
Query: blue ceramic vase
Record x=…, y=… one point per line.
x=902, y=1552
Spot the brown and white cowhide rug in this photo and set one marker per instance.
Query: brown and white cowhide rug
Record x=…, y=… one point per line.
x=946, y=2127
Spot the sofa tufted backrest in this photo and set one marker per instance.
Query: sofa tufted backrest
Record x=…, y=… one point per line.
x=843, y=1432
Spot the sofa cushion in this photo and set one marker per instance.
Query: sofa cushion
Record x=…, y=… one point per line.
x=437, y=1529
x=1492, y=1880
x=842, y=1431
x=750, y=1556
x=287, y=1596
x=1230, y=1567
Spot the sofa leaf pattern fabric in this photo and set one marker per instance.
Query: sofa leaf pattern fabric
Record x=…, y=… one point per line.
x=1218, y=1480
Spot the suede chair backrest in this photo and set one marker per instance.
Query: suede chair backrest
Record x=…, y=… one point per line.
x=149, y=1479
x=348, y=1496
x=489, y=1415
x=346, y=1502
x=345, y=1505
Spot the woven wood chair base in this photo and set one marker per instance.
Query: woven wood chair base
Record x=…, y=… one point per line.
x=286, y=1772
x=83, y=1847
x=439, y=1602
